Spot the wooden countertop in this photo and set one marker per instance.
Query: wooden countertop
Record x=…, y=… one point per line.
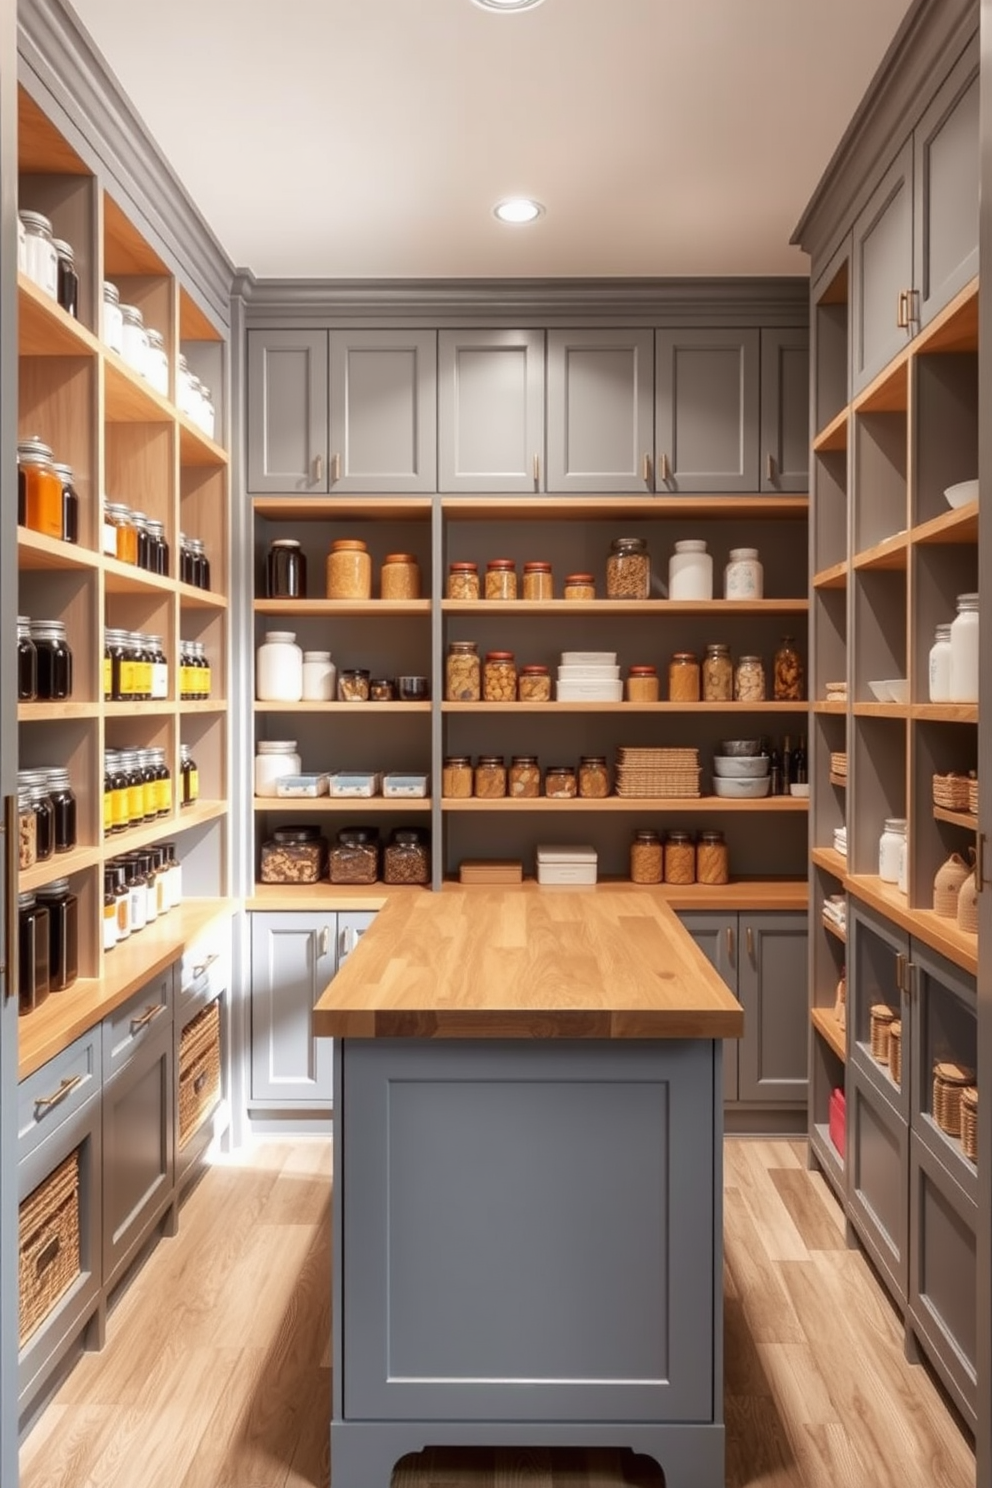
x=528, y=962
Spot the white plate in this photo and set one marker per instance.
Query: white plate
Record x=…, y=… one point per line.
x=962, y=493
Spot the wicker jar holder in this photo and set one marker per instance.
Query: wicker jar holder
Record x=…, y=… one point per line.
x=895, y=1050
x=968, y=905
x=949, y=1083
x=973, y=793
x=199, y=1071
x=969, y=1122
x=48, y=1245
x=881, y=1022
x=947, y=886
x=951, y=792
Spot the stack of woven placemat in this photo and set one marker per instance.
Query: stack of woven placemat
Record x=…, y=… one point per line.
x=657, y=772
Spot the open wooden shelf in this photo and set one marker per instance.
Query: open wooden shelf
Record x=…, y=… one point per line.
x=192, y=598
x=830, y=1031
x=891, y=555
x=195, y=447
x=128, y=398
x=604, y=607
x=835, y=708
x=934, y=930
x=630, y=804
x=35, y=551
x=833, y=861
x=44, y=329
x=295, y=508
x=840, y=781
x=881, y=710
x=126, y=578
x=60, y=865
x=57, y=712
x=834, y=577
x=955, y=328
x=360, y=710
x=956, y=818
x=181, y=820
x=958, y=525
x=665, y=707
x=384, y=608
x=321, y=805
x=834, y=435
x=889, y=392
x=833, y=929
x=944, y=712
x=573, y=508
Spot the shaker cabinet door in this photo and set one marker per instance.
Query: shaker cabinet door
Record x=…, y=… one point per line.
x=491, y=411
x=293, y=957
x=883, y=271
x=600, y=410
x=287, y=412
x=716, y=936
x=138, y=1149
x=706, y=410
x=772, y=981
x=383, y=411
x=946, y=171
x=785, y=410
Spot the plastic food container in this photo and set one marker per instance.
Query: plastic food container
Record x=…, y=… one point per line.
x=566, y=865
x=294, y=855
x=302, y=785
x=359, y=783
x=398, y=784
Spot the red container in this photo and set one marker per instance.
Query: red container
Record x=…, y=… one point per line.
x=837, y=1119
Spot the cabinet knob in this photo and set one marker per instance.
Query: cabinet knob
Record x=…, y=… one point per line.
x=335, y=468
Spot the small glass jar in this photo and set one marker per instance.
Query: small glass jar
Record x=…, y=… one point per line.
x=285, y=570
x=712, y=858
x=44, y=816
x=400, y=577
x=628, y=569
x=113, y=320
x=157, y=362
x=717, y=674
x=145, y=559
x=594, y=777
x=501, y=579
x=490, y=777
x=266, y=769
x=41, y=256
x=463, y=581
x=499, y=677
x=27, y=662
x=406, y=858
x=680, y=858
x=456, y=777
x=382, y=690
x=534, y=684
x=109, y=914
x=561, y=782
x=279, y=668
x=749, y=680
x=353, y=685
x=121, y=518
x=940, y=666
x=524, y=779
x=199, y=563
x=54, y=660
x=70, y=504
x=538, y=582
x=27, y=829
x=579, y=586
x=135, y=351
x=349, y=570
x=789, y=680
x=68, y=279
x=964, y=651
x=643, y=685
x=891, y=846
x=39, y=488
x=163, y=778
x=319, y=677
x=413, y=689
x=160, y=548
x=683, y=677
x=63, y=801
x=743, y=577
x=63, y=933
x=646, y=858
x=462, y=673
x=33, y=951
x=160, y=669
x=354, y=858
x=690, y=572
x=274, y=759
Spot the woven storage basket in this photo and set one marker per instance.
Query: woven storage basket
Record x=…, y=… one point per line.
x=840, y=999
x=949, y=1081
x=881, y=1021
x=947, y=886
x=973, y=793
x=951, y=792
x=968, y=905
x=895, y=1050
x=48, y=1245
x=969, y=1122
x=199, y=1071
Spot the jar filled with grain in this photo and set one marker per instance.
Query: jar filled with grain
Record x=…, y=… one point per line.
x=789, y=678
x=534, y=684
x=456, y=777
x=717, y=675
x=294, y=855
x=749, y=680
x=680, y=858
x=525, y=777
x=594, y=777
x=501, y=579
x=538, y=581
x=683, y=677
x=561, y=783
x=462, y=673
x=490, y=777
x=407, y=858
x=354, y=858
x=400, y=577
x=646, y=858
x=712, y=859
x=579, y=586
x=643, y=685
x=628, y=569
x=463, y=581
x=349, y=570
x=499, y=677
x=382, y=690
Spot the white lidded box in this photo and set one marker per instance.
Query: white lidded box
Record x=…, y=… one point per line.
x=588, y=658
x=589, y=691
x=358, y=783
x=566, y=865
x=302, y=785
x=399, y=784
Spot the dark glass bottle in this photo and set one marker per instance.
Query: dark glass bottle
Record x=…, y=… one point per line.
x=33, y=951
x=286, y=570
x=800, y=775
x=63, y=801
x=786, y=763
x=70, y=504
x=68, y=280
x=63, y=933
x=54, y=660
x=27, y=662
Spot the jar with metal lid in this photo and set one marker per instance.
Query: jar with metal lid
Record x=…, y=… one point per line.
x=175, y=875
x=353, y=685
x=712, y=858
x=160, y=548
x=200, y=563
x=643, y=685
x=628, y=569
x=319, y=677
x=964, y=650
x=33, y=951
x=749, y=680
x=294, y=855
x=683, y=677
x=743, y=577
x=39, y=488
x=70, y=504
x=400, y=577
x=54, y=660
x=690, y=572
x=646, y=857
x=274, y=758
x=717, y=674
x=463, y=581
x=113, y=321
x=140, y=520
x=789, y=677
x=594, y=777
x=27, y=829
x=135, y=339
x=142, y=664
x=406, y=859
x=382, y=690
x=122, y=899
x=41, y=256
x=499, y=677
x=189, y=775
x=579, y=586
x=456, y=777
x=462, y=673
x=561, y=782
x=891, y=845
x=279, y=668
x=354, y=858
x=680, y=858
x=68, y=280
x=27, y=662
x=160, y=669
x=137, y=888
x=285, y=570
x=185, y=560
x=135, y=791
x=117, y=666
x=120, y=517
x=147, y=866
x=63, y=801
x=157, y=362
x=117, y=777
x=501, y=579
x=538, y=582
x=490, y=777
x=109, y=912
x=22, y=248
x=44, y=814
x=349, y=570
x=534, y=684
x=940, y=666
x=63, y=933
x=524, y=778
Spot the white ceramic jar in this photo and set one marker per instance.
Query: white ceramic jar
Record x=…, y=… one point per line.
x=41, y=258
x=690, y=571
x=184, y=388
x=135, y=339
x=274, y=759
x=940, y=666
x=113, y=321
x=279, y=668
x=903, y=879
x=207, y=415
x=891, y=849
x=743, y=577
x=157, y=363
x=964, y=651
x=22, y=247
x=319, y=677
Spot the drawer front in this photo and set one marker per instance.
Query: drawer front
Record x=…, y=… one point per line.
x=136, y=1021
x=46, y=1099
x=204, y=971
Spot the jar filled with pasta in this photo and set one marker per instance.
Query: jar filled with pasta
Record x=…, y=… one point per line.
x=463, y=673
x=490, y=777
x=534, y=684
x=646, y=858
x=712, y=859
x=680, y=858
x=456, y=777
x=594, y=777
x=683, y=678
x=789, y=679
x=717, y=675
x=749, y=680
x=524, y=777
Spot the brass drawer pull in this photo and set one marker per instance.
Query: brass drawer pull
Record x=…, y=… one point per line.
x=49, y=1102
x=148, y=1016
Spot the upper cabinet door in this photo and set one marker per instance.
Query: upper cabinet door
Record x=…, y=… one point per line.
x=383, y=411
x=491, y=410
x=600, y=410
x=706, y=419
x=287, y=412
x=785, y=410
x=883, y=271
x=946, y=165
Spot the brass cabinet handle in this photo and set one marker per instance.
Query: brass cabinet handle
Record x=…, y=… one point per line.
x=979, y=861
x=901, y=982
x=664, y=470
x=902, y=312
x=537, y=470
x=148, y=1016
x=324, y=942
x=749, y=941
x=318, y=469
x=770, y=468
x=49, y=1102
x=646, y=470
x=730, y=941
x=10, y=965
x=335, y=468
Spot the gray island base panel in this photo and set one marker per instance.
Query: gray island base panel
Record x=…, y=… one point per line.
x=528, y=1251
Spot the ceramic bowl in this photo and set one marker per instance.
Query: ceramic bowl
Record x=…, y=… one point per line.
x=740, y=766
x=962, y=493
x=880, y=692
x=740, y=746
x=801, y=791
x=741, y=790
x=898, y=689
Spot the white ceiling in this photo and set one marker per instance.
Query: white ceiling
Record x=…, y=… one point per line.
x=371, y=138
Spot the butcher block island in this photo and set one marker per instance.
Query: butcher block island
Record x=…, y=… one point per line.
x=527, y=1181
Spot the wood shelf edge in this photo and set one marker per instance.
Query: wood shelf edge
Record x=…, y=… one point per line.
x=830, y=1031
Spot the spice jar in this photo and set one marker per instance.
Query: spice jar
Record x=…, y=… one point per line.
x=33, y=951
x=269, y=768
x=683, y=678
x=294, y=855
x=349, y=570
x=594, y=777
x=680, y=858
x=538, y=581
x=63, y=800
x=353, y=685
x=68, y=279
x=789, y=681
x=525, y=777
x=274, y=759
x=135, y=338
x=41, y=257
x=560, y=782
x=382, y=690
x=406, y=859
x=279, y=668
x=717, y=675
x=400, y=577
x=39, y=489
x=54, y=660
x=490, y=777
x=749, y=680
x=27, y=662
x=109, y=915
x=579, y=586
x=743, y=577
x=499, y=677
x=712, y=859
x=643, y=685
x=501, y=579
x=113, y=321
x=456, y=777
x=354, y=858
x=463, y=581
x=690, y=572
x=534, y=685
x=646, y=860
x=462, y=673
x=44, y=812
x=63, y=933
x=628, y=569
x=285, y=570
x=121, y=519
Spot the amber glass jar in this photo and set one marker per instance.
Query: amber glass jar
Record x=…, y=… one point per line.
x=501, y=579
x=349, y=570
x=534, y=684
x=789, y=680
x=683, y=678
x=499, y=677
x=462, y=673
x=538, y=581
x=643, y=685
x=39, y=489
x=463, y=581
x=120, y=518
x=580, y=586
x=561, y=782
x=525, y=777
x=456, y=777
x=400, y=577
x=718, y=675
x=646, y=858
x=712, y=860
x=594, y=777
x=490, y=777
x=680, y=858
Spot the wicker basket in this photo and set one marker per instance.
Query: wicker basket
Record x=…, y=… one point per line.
x=947, y=886
x=881, y=1022
x=951, y=792
x=895, y=1050
x=840, y=999
x=969, y=1122
x=48, y=1245
x=949, y=1082
x=199, y=1071
x=973, y=793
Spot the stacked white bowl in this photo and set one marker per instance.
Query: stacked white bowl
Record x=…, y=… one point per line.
x=589, y=677
x=742, y=772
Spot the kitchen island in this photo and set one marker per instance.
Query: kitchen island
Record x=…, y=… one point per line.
x=528, y=1181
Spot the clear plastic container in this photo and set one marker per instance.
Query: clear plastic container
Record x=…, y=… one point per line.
x=294, y=855
x=407, y=859
x=354, y=858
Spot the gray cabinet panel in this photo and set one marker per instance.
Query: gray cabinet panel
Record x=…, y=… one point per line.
x=882, y=269
x=138, y=1149
x=383, y=411
x=772, y=980
x=943, y=1273
x=293, y=957
x=946, y=166
x=287, y=412
x=491, y=410
x=55, y=1092
x=352, y=925
x=707, y=410
x=600, y=410
x=785, y=431
x=878, y=1183
x=137, y=1021
x=716, y=936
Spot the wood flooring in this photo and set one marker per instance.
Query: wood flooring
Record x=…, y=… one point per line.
x=216, y=1372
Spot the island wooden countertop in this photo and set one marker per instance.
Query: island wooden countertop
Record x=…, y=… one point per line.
x=486, y=963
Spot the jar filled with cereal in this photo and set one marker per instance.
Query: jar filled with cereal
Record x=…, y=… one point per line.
x=400, y=577
x=534, y=684
x=501, y=579
x=538, y=581
x=456, y=777
x=594, y=777
x=560, y=782
x=579, y=586
x=643, y=685
x=490, y=777
x=462, y=673
x=499, y=677
x=749, y=680
x=525, y=777
x=463, y=581
x=712, y=860
x=680, y=858
x=789, y=679
x=349, y=570
x=646, y=858
x=718, y=675
x=683, y=677
x=628, y=569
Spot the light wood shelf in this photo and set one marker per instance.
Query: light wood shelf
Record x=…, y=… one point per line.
x=956, y=818
x=383, y=608
x=834, y=577
x=149, y=709
x=958, y=525
x=835, y=708
x=181, y=820
x=191, y=598
x=295, y=508
x=128, y=398
x=126, y=578
x=44, y=329
x=360, y=710
x=833, y=861
x=934, y=930
x=944, y=712
x=572, y=508
x=890, y=555
x=35, y=551
x=840, y=781
x=57, y=712
x=881, y=710
x=781, y=709
x=322, y=805
x=889, y=391
x=60, y=865
x=833, y=436
x=833, y=929
x=603, y=607
x=830, y=1031
x=955, y=328
x=628, y=804
x=197, y=448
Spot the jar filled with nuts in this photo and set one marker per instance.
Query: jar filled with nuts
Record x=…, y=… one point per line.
x=718, y=675
x=407, y=858
x=462, y=673
x=501, y=579
x=789, y=678
x=294, y=855
x=534, y=685
x=382, y=690
x=749, y=680
x=538, y=581
x=643, y=685
x=646, y=859
x=499, y=677
x=353, y=686
x=628, y=569
x=683, y=678
x=579, y=586
x=349, y=570
x=525, y=777
x=594, y=777
x=560, y=782
x=27, y=830
x=490, y=777
x=712, y=860
x=354, y=858
x=463, y=581
x=680, y=858
x=456, y=776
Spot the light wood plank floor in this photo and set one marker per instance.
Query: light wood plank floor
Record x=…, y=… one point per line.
x=217, y=1372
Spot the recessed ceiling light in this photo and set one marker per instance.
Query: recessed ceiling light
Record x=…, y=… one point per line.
x=517, y=209
x=508, y=4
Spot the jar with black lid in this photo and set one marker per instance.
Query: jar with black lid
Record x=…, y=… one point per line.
x=159, y=563
x=141, y=657
x=135, y=789
x=137, y=888
x=149, y=776
x=122, y=899
x=27, y=662
x=185, y=560
x=33, y=951
x=285, y=570
x=63, y=801
x=63, y=933
x=406, y=859
x=109, y=917
x=54, y=660
x=163, y=783
x=44, y=812
x=354, y=858
x=189, y=777
x=68, y=279
x=70, y=504
x=200, y=563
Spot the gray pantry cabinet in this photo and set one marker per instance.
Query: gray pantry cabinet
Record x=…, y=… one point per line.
x=707, y=402
x=491, y=411
x=785, y=431
x=600, y=411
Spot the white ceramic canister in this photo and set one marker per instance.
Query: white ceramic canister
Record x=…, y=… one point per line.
x=964, y=651
x=22, y=247
x=274, y=759
x=135, y=339
x=184, y=389
x=113, y=321
x=157, y=363
x=319, y=677
x=902, y=881
x=690, y=571
x=279, y=668
x=743, y=577
x=41, y=258
x=891, y=848
x=940, y=666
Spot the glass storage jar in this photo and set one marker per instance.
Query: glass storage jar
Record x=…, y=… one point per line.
x=628, y=569
x=68, y=279
x=646, y=858
x=354, y=858
x=463, y=581
x=538, y=582
x=501, y=579
x=490, y=777
x=743, y=577
x=274, y=759
x=70, y=504
x=413, y=689
x=160, y=669
x=135, y=339
x=266, y=768
x=113, y=320
x=717, y=674
x=279, y=668
x=579, y=586
x=382, y=690
x=499, y=677
x=964, y=651
x=63, y=933
x=27, y=662
x=160, y=548
x=294, y=855
x=349, y=570
x=643, y=685
x=940, y=666
x=44, y=813
x=749, y=680
x=41, y=256
x=27, y=829
x=319, y=677
x=891, y=845
x=109, y=915
x=39, y=488
x=789, y=677
x=353, y=685
x=140, y=520
x=456, y=777
x=54, y=660
x=33, y=951
x=400, y=577
x=561, y=782
x=534, y=684
x=121, y=518
x=690, y=571
x=524, y=777
x=63, y=800
x=683, y=678
x=406, y=858
x=199, y=563
x=163, y=779
x=157, y=362
x=594, y=777
x=285, y=570
x=712, y=859
x=680, y=858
